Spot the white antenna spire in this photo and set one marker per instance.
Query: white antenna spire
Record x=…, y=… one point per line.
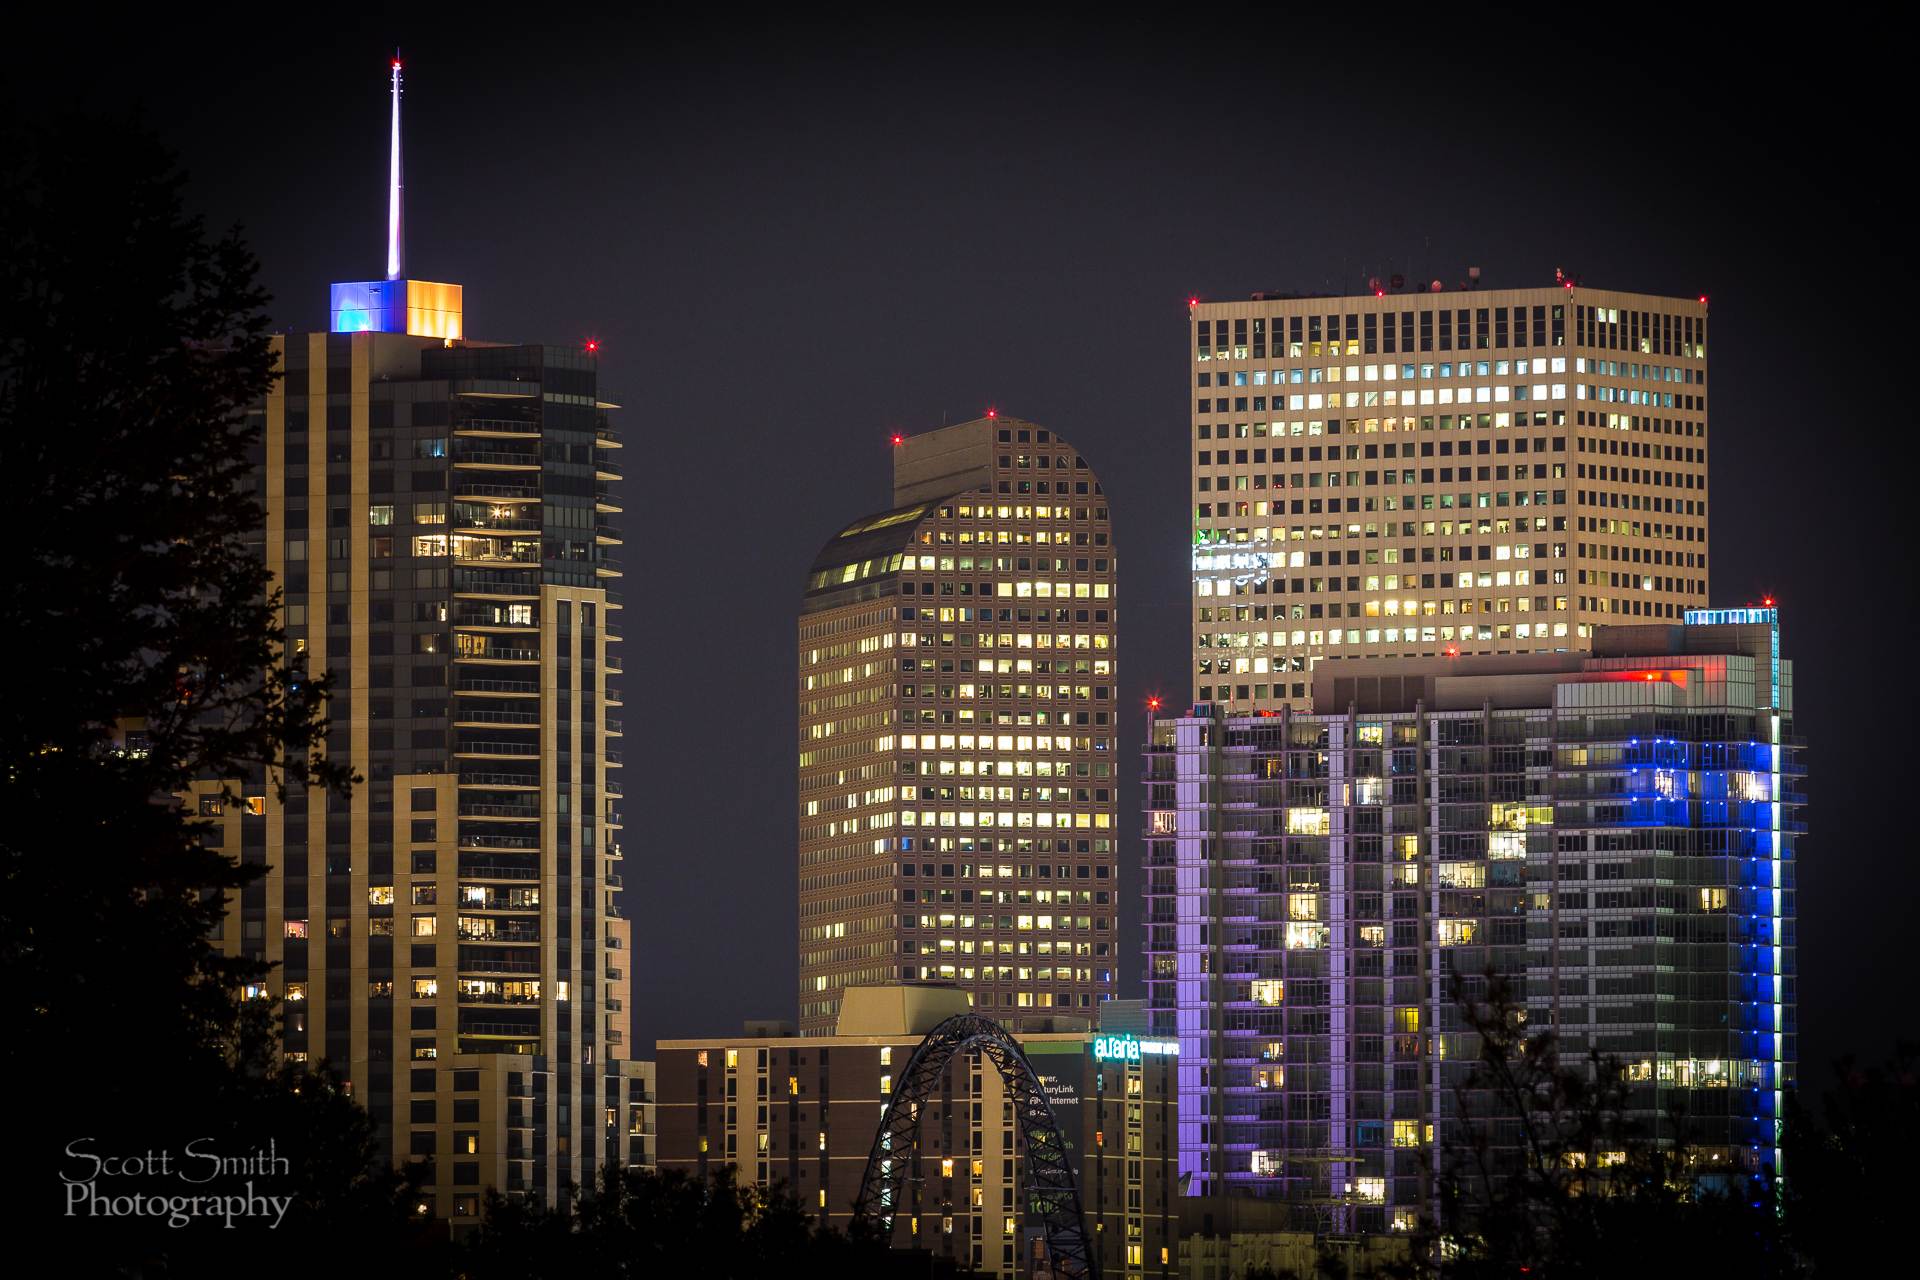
x=396, y=223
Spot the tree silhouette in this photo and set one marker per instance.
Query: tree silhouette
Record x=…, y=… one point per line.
x=1546, y=1173
x=641, y=1223
x=134, y=345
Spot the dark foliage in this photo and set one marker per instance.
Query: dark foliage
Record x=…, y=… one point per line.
x=639, y=1223
x=132, y=344
x=1572, y=1187
x=1850, y=1171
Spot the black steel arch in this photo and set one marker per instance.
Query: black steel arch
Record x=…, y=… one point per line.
x=1051, y=1191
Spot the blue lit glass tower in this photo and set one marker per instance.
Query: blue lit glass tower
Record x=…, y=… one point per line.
x=1612, y=833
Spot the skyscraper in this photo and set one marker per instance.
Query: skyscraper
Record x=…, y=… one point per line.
x=1472, y=471
x=956, y=731
x=438, y=513
x=1613, y=833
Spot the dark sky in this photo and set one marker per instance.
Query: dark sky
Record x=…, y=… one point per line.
x=794, y=240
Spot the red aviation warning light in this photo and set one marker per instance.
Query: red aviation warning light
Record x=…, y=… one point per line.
x=1766, y=602
x=1193, y=301
x=1452, y=651
x=593, y=346
x=993, y=413
x=1153, y=703
x=898, y=439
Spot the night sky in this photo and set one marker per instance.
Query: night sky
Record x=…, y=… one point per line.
x=794, y=241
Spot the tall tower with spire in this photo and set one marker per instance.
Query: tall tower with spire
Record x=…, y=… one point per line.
x=441, y=517
x=422, y=308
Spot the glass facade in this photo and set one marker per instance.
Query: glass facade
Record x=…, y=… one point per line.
x=1613, y=834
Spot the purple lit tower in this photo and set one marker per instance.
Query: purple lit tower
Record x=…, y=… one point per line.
x=1612, y=832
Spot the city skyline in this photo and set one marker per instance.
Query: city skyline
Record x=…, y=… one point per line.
x=1066, y=315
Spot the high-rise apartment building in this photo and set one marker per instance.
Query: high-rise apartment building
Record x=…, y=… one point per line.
x=438, y=515
x=956, y=731
x=1612, y=832
x=1474, y=472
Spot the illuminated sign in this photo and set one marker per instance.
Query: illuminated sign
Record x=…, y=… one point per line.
x=1211, y=560
x=1127, y=1049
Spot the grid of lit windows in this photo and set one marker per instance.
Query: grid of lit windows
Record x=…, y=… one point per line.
x=1499, y=487
x=957, y=788
x=1619, y=846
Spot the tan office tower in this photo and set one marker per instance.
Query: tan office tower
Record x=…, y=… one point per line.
x=956, y=690
x=1434, y=473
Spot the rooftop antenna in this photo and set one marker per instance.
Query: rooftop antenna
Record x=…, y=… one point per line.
x=396, y=222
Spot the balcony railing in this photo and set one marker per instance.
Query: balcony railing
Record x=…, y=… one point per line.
x=484, y=617
x=497, y=871
x=512, y=426
x=499, y=780
x=474, y=488
x=488, y=841
x=499, y=653
x=499, y=1029
x=496, y=457
x=499, y=966
x=499, y=811
x=497, y=748
x=471, y=582
x=497, y=686
x=494, y=524
x=496, y=717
